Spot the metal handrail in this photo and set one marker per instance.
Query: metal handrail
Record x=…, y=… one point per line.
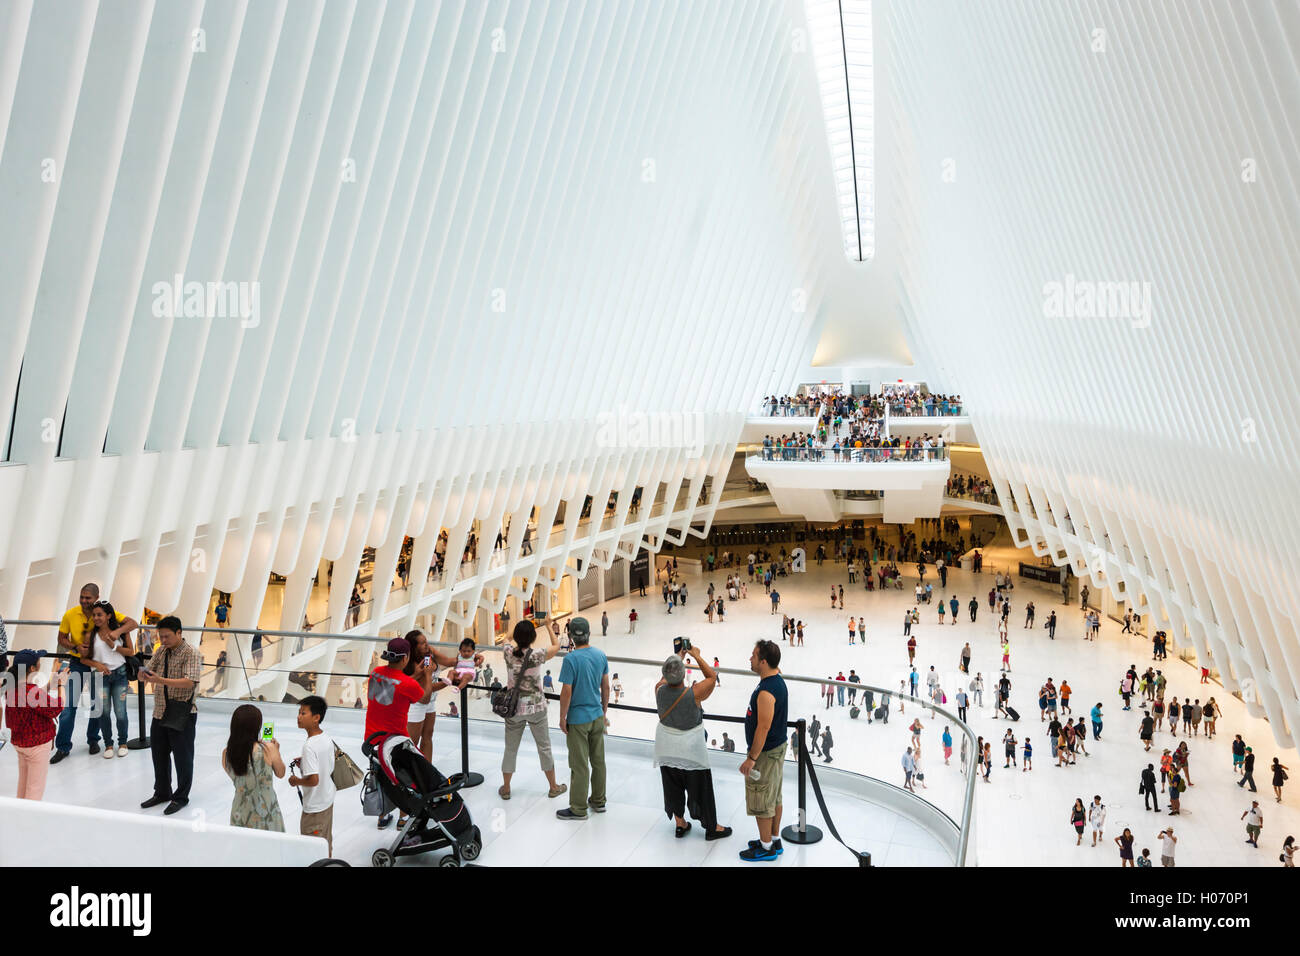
x=967, y=807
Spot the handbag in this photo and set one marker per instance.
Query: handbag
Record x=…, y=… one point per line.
x=176, y=712
x=506, y=700
x=133, y=665
x=346, y=773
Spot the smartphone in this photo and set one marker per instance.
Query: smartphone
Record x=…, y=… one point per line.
x=268, y=730
x=428, y=659
x=681, y=644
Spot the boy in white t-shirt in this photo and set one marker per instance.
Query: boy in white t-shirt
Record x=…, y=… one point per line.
x=315, y=767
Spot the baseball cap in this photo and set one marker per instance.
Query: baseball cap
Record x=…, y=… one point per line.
x=579, y=629
x=28, y=658
x=398, y=648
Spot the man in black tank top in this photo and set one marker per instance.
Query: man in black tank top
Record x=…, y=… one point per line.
x=765, y=744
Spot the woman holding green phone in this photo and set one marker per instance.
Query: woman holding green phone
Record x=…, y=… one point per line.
x=249, y=760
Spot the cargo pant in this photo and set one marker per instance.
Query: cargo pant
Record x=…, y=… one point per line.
x=586, y=745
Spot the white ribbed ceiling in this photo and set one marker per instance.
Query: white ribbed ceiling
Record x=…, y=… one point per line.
x=1113, y=141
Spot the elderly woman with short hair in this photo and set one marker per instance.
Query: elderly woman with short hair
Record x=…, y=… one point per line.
x=681, y=745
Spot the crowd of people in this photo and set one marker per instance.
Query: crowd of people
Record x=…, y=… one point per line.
x=803, y=446
x=102, y=645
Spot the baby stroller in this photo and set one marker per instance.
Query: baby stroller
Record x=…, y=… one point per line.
x=437, y=817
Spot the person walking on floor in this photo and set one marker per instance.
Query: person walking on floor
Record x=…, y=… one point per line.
x=1279, y=778
x=1125, y=843
x=1078, y=819
x=584, y=704
x=1097, y=818
x=1248, y=770
x=1148, y=789
x=827, y=743
x=1254, y=818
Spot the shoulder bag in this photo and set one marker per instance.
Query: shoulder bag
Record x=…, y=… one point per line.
x=506, y=700
x=176, y=711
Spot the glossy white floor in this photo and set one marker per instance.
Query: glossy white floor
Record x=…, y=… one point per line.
x=520, y=832
x=1021, y=818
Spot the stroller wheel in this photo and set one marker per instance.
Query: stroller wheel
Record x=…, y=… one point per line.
x=471, y=848
x=449, y=860
x=382, y=858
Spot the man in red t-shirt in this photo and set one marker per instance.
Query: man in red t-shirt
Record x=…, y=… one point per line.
x=390, y=692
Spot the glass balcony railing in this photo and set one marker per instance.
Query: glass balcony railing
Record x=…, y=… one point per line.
x=788, y=410
x=237, y=665
x=850, y=456
x=925, y=409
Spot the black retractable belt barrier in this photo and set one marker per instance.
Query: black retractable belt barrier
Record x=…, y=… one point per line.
x=141, y=741
x=472, y=778
x=863, y=857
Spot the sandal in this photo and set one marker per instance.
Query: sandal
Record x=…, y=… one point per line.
x=682, y=831
x=503, y=792
x=556, y=791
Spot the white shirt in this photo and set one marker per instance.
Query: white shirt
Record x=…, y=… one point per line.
x=318, y=758
x=1254, y=818
x=108, y=656
x=1097, y=814
x=1167, y=845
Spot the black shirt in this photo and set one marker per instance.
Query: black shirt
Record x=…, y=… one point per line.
x=774, y=685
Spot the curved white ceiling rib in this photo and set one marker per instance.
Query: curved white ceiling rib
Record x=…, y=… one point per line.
x=1101, y=206
x=458, y=240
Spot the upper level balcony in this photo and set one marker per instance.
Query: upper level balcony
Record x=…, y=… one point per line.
x=803, y=481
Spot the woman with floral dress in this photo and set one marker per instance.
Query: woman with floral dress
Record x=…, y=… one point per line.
x=249, y=762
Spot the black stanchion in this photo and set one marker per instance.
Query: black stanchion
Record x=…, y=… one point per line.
x=140, y=742
x=802, y=833
x=472, y=779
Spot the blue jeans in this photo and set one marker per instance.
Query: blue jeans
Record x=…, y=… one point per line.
x=63, y=740
x=840, y=695
x=112, y=700
x=1096, y=729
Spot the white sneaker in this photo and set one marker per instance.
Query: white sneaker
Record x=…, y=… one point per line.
x=108, y=753
x=121, y=751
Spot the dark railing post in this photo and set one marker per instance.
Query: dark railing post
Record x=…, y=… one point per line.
x=472, y=779
x=802, y=833
x=141, y=741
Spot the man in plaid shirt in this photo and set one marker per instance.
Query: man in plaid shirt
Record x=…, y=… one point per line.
x=174, y=673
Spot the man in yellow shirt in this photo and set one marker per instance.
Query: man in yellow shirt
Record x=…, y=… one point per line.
x=75, y=632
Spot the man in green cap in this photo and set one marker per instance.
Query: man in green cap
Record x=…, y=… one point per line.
x=584, y=701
